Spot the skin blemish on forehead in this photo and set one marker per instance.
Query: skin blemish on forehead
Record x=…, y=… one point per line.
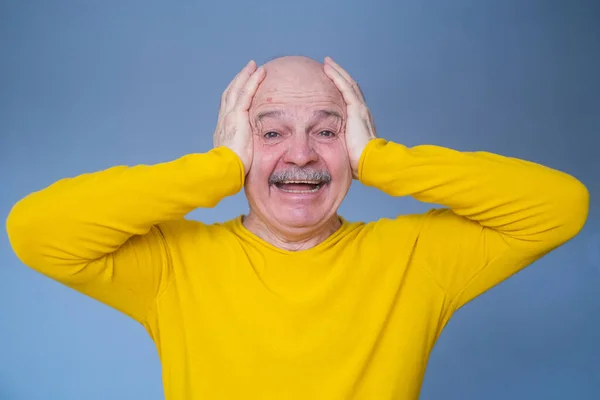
x=269, y=99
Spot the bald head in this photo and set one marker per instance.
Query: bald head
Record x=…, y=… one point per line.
x=296, y=73
x=293, y=81
x=298, y=121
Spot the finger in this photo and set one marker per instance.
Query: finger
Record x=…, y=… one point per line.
x=347, y=77
x=339, y=69
x=227, y=90
x=225, y=97
x=238, y=83
x=249, y=90
x=223, y=107
x=350, y=96
x=225, y=94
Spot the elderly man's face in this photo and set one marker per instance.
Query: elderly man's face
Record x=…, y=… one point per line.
x=300, y=172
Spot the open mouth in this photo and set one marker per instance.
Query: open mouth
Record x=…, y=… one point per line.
x=300, y=187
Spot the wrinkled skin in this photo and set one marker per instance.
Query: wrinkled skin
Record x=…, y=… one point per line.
x=304, y=131
x=299, y=128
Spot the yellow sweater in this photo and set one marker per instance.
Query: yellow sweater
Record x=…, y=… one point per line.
x=352, y=318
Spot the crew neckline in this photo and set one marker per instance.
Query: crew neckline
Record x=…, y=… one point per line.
x=239, y=227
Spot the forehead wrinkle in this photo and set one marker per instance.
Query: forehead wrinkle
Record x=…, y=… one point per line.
x=298, y=90
x=326, y=113
x=268, y=114
x=295, y=98
x=322, y=113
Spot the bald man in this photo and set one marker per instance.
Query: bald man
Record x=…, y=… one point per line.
x=292, y=301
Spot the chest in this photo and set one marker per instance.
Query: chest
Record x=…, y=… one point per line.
x=310, y=312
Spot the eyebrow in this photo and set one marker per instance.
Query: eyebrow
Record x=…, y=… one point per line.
x=325, y=113
x=322, y=113
x=268, y=114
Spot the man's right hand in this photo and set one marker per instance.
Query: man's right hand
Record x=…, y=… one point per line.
x=233, y=125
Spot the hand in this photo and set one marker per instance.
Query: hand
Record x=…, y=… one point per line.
x=233, y=124
x=360, y=128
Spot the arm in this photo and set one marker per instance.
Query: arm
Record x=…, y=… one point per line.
x=102, y=234
x=108, y=235
x=503, y=213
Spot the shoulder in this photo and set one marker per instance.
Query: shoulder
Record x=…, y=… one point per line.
x=395, y=225
x=187, y=231
x=410, y=226
x=438, y=217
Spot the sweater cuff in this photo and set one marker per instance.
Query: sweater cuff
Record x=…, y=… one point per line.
x=366, y=159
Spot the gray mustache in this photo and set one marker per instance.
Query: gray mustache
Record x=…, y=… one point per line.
x=300, y=174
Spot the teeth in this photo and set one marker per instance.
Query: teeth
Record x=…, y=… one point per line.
x=317, y=184
x=301, y=191
x=309, y=182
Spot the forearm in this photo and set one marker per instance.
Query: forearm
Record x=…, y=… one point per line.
x=91, y=215
x=521, y=199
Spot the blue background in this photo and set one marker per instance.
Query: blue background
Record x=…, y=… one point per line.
x=85, y=85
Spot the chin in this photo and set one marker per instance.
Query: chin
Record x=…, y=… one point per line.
x=301, y=217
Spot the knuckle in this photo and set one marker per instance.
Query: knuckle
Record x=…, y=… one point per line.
x=362, y=108
x=364, y=111
x=229, y=119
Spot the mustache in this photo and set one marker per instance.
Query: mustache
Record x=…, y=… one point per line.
x=300, y=174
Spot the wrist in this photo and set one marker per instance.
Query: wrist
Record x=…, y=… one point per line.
x=365, y=157
x=242, y=155
x=359, y=156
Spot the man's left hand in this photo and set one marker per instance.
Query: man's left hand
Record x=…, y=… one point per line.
x=360, y=128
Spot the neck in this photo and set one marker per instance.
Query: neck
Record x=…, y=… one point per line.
x=294, y=239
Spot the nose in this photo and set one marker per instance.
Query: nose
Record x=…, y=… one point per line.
x=300, y=151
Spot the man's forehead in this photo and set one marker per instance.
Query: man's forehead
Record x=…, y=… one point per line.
x=297, y=91
x=284, y=101
x=296, y=76
x=314, y=113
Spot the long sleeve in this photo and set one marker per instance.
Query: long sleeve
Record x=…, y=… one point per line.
x=502, y=213
x=101, y=233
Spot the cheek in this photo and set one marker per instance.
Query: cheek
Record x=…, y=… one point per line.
x=337, y=161
x=263, y=163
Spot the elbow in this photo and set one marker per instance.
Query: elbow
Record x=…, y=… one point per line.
x=22, y=230
x=34, y=234
x=575, y=208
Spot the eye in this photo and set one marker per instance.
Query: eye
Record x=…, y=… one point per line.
x=327, y=134
x=271, y=135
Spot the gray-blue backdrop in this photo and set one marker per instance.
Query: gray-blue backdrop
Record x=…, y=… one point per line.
x=85, y=85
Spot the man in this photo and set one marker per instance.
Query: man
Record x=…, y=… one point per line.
x=292, y=301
